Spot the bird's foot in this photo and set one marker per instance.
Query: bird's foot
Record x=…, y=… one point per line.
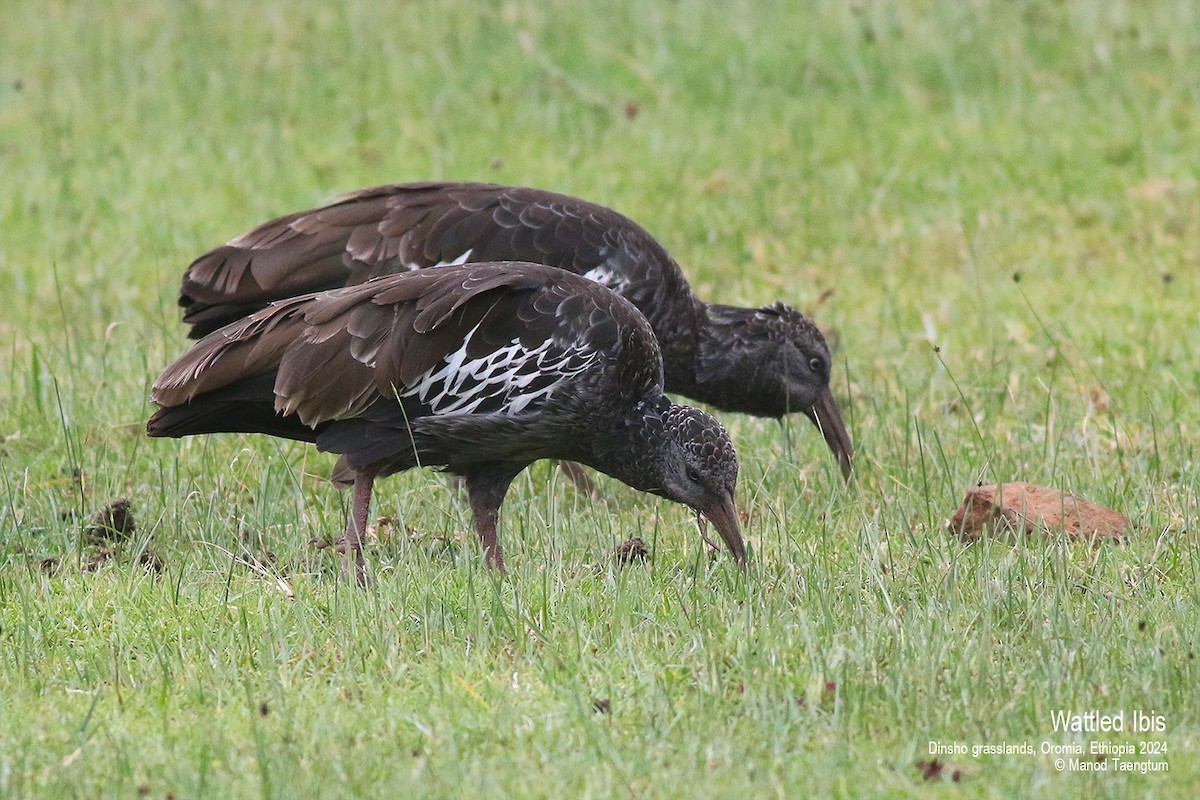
x=495, y=559
x=352, y=558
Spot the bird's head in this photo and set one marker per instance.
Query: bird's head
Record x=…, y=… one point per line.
x=682, y=454
x=769, y=362
x=699, y=468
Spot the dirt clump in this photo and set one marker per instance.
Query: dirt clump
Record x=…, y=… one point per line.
x=152, y=562
x=936, y=770
x=631, y=550
x=1021, y=509
x=113, y=523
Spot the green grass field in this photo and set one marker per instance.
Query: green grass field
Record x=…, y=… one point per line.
x=993, y=206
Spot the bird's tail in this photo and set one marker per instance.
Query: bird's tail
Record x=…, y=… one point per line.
x=240, y=408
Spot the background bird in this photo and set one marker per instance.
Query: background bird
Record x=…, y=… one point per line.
x=767, y=361
x=480, y=369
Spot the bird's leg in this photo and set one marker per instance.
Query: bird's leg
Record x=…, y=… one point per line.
x=485, y=523
x=351, y=545
x=487, y=488
x=578, y=475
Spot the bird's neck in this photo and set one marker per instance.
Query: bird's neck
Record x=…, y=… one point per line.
x=678, y=330
x=630, y=450
x=715, y=374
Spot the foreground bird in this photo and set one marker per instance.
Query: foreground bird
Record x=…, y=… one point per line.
x=481, y=369
x=767, y=361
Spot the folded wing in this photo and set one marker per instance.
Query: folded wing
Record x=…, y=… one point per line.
x=404, y=227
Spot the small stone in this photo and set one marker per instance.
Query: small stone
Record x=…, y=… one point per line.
x=1023, y=509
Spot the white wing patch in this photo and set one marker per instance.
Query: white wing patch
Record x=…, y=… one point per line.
x=506, y=381
x=450, y=262
x=605, y=275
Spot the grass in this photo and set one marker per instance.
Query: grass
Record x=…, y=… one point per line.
x=995, y=207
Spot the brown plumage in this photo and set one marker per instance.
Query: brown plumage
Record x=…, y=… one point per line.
x=480, y=369
x=768, y=361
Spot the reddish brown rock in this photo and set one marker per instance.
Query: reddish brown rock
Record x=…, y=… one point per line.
x=1025, y=509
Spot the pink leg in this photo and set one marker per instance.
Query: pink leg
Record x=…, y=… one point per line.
x=487, y=488
x=351, y=545
x=485, y=523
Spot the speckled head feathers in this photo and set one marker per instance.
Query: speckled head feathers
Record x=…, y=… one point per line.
x=782, y=320
x=705, y=439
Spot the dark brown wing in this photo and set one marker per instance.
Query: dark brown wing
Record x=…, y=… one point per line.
x=501, y=339
x=399, y=228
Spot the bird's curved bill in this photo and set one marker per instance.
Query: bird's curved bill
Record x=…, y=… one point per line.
x=724, y=518
x=828, y=419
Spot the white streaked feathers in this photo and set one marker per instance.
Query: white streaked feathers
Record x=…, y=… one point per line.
x=508, y=380
x=515, y=376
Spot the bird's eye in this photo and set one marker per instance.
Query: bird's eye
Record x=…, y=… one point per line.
x=693, y=475
x=816, y=365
